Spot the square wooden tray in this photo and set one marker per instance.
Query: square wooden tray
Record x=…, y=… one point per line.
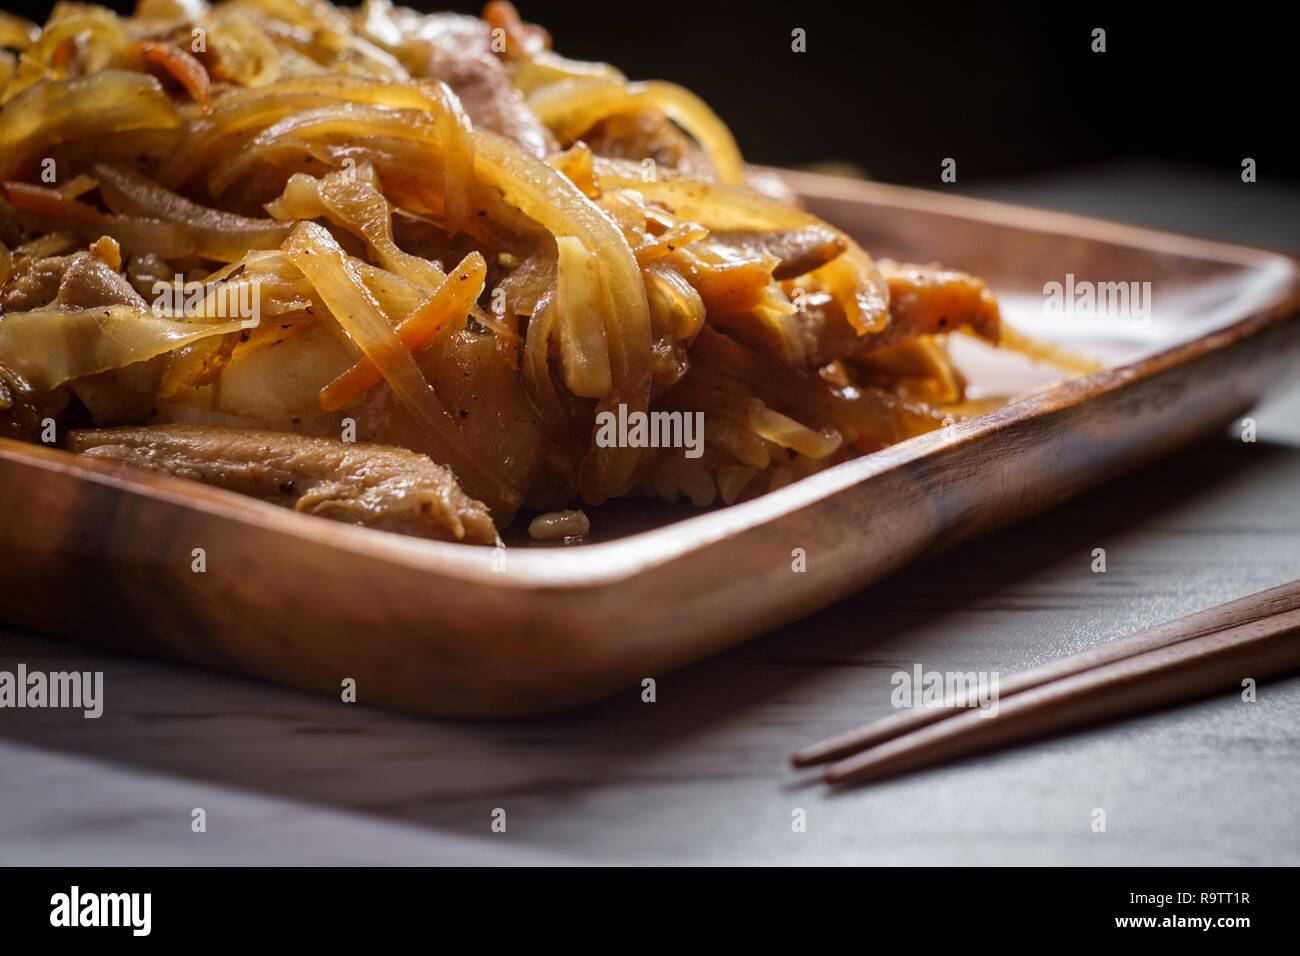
x=104, y=553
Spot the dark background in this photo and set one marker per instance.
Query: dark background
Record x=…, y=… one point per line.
x=1006, y=90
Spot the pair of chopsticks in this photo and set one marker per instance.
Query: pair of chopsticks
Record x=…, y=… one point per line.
x=1256, y=636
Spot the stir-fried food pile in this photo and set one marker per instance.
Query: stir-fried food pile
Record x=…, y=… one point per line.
x=419, y=272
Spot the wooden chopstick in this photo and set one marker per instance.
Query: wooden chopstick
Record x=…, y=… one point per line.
x=1254, y=607
x=1187, y=669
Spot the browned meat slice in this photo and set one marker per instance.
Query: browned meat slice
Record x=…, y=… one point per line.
x=81, y=280
x=647, y=134
x=928, y=300
x=490, y=100
x=460, y=54
x=25, y=410
x=35, y=283
x=373, y=485
x=143, y=272
x=799, y=250
x=643, y=134
x=89, y=282
x=120, y=396
x=923, y=300
x=11, y=233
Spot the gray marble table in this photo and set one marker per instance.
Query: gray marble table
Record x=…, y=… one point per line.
x=700, y=776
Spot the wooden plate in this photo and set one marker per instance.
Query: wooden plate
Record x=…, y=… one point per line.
x=105, y=554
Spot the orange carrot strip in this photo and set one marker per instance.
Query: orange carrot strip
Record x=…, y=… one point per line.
x=63, y=53
x=188, y=71
x=453, y=297
x=40, y=199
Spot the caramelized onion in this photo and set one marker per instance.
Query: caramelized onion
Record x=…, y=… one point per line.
x=50, y=113
x=98, y=34
x=17, y=33
x=584, y=349
x=788, y=433
x=571, y=107
x=44, y=209
x=314, y=251
x=51, y=346
x=220, y=235
x=450, y=300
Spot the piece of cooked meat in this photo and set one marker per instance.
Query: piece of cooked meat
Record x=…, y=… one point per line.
x=88, y=282
x=35, y=283
x=378, y=486
x=24, y=410
x=929, y=300
x=492, y=411
x=647, y=134
x=78, y=281
x=489, y=98
x=799, y=250
x=923, y=300
x=459, y=50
